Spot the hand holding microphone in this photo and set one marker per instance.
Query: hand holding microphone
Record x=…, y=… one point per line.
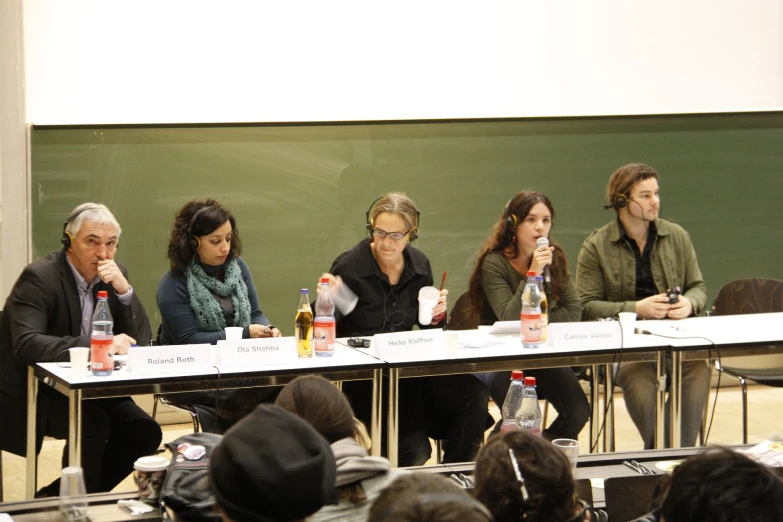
x=542, y=258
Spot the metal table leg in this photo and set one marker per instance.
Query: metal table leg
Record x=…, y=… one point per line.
x=375, y=415
x=676, y=399
x=660, y=396
x=32, y=456
x=609, y=408
x=75, y=428
x=394, y=395
x=595, y=405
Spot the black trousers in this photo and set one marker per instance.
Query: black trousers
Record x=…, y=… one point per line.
x=452, y=408
x=561, y=388
x=115, y=432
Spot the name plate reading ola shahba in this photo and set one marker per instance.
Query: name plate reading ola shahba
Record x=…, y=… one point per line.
x=186, y=358
x=257, y=352
x=415, y=345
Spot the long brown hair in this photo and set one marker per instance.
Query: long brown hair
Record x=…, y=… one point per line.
x=502, y=239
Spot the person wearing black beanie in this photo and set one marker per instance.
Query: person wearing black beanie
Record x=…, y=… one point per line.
x=272, y=466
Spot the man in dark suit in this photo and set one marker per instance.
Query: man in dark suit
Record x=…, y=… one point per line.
x=48, y=311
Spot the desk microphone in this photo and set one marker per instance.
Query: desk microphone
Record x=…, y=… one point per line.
x=544, y=242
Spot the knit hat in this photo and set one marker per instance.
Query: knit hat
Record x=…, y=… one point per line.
x=272, y=466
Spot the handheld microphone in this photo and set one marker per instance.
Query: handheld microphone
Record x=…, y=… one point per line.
x=544, y=242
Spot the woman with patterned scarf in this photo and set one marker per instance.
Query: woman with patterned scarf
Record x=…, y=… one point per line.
x=208, y=288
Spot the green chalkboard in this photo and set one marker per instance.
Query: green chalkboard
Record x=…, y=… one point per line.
x=300, y=192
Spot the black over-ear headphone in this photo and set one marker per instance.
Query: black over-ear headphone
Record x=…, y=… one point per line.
x=194, y=241
x=370, y=224
x=620, y=201
x=67, y=239
x=510, y=221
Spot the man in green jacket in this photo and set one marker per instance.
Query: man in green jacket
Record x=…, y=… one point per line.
x=629, y=265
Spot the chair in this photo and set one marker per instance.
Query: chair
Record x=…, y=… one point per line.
x=628, y=498
x=750, y=296
x=458, y=319
x=160, y=398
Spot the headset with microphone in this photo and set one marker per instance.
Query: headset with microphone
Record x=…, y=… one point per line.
x=67, y=239
x=622, y=201
x=195, y=242
x=370, y=223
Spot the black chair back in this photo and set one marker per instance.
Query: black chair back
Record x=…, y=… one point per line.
x=458, y=318
x=749, y=296
x=628, y=498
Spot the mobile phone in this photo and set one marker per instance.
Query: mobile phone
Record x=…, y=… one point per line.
x=358, y=342
x=673, y=294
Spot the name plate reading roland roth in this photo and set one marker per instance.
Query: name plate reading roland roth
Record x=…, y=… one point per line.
x=257, y=352
x=597, y=334
x=186, y=358
x=418, y=344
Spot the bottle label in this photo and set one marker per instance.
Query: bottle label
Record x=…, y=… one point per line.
x=324, y=333
x=100, y=354
x=531, y=327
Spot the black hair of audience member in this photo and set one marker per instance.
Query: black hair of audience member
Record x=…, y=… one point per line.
x=425, y=497
x=327, y=409
x=212, y=216
x=545, y=469
x=722, y=485
x=272, y=466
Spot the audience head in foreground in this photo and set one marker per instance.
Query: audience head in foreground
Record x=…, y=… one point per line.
x=721, y=485
x=547, y=491
x=272, y=466
x=424, y=497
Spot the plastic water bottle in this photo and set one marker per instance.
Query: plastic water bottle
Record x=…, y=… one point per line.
x=530, y=317
x=544, y=309
x=529, y=415
x=102, y=337
x=324, y=327
x=513, y=401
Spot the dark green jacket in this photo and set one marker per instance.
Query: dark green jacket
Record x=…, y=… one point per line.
x=606, y=270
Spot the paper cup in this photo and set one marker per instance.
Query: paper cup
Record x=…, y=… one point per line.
x=79, y=358
x=234, y=333
x=428, y=298
x=148, y=474
x=627, y=321
x=570, y=448
x=451, y=339
x=345, y=300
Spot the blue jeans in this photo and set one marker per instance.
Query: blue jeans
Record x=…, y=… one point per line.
x=638, y=383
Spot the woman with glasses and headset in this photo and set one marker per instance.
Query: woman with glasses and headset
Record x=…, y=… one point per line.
x=386, y=273
x=208, y=288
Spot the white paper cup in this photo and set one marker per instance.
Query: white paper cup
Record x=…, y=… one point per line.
x=627, y=320
x=148, y=474
x=234, y=333
x=345, y=299
x=79, y=358
x=570, y=448
x=428, y=298
x=451, y=339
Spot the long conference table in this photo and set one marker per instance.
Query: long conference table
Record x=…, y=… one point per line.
x=689, y=339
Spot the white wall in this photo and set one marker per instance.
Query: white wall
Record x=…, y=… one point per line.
x=92, y=61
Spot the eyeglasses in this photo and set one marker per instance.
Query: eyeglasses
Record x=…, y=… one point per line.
x=518, y=473
x=380, y=234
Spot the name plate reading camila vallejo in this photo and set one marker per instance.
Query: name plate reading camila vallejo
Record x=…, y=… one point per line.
x=597, y=334
x=257, y=352
x=415, y=345
x=149, y=360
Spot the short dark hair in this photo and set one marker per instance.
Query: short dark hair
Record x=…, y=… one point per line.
x=547, y=473
x=212, y=216
x=623, y=179
x=722, y=485
x=425, y=497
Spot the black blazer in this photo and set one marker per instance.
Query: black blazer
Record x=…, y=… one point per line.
x=42, y=318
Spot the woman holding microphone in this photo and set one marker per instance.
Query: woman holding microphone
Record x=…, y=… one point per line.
x=495, y=291
x=208, y=288
x=386, y=273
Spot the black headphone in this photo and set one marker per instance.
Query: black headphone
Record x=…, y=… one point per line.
x=194, y=241
x=369, y=223
x=67, y=239
x=510, y=221
x=620, y=201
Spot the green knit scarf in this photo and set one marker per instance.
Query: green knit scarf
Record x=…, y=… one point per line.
x=208, y=312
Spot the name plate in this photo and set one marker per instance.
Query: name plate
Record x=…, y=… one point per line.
x=596, y=334
x=257, y=352
x=185, y=358
x=419, y=344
